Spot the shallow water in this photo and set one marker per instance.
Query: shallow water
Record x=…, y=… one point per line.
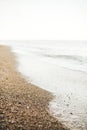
x=59, y=67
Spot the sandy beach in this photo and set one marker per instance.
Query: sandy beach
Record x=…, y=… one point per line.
x=23, y=106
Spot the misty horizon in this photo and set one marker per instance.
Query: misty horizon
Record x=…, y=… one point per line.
x=43, y=20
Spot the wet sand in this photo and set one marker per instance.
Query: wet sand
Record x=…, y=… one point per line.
x=23, y=106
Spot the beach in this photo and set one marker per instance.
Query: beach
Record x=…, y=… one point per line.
x=23, y=106
x=59, y=68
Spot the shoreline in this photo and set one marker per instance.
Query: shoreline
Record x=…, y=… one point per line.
x=23, y=106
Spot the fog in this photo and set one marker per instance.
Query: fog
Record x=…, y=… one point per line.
x=43, y=20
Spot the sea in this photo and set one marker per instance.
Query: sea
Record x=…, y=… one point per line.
x=59, y=67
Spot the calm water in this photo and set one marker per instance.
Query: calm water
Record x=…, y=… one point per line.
x=59, y=67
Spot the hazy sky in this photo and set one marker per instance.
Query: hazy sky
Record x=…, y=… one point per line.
x=43, y=19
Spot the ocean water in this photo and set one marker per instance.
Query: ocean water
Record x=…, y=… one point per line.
x=61, y=68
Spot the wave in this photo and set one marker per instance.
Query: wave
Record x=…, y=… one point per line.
x=69, y=57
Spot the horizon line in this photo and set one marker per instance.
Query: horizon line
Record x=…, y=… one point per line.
x=42, y=40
